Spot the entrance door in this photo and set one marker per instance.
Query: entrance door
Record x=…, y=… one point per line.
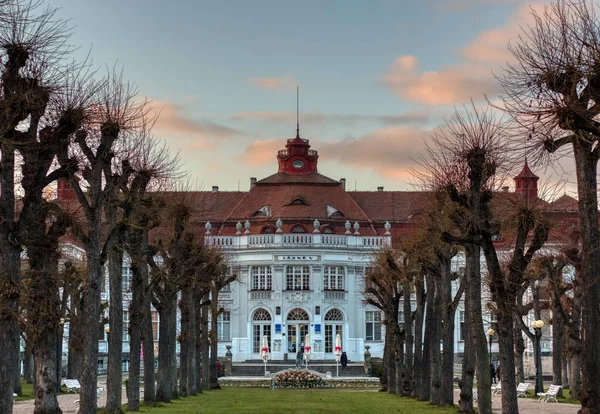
x=296, y=332
x=331, y=330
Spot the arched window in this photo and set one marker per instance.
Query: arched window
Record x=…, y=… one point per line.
x=261, y=315
x=334, y=315
x=298, y=228
x=327, y=230
x=261, y=327
x=268, y=229
x=298, y=201
x=297, y=315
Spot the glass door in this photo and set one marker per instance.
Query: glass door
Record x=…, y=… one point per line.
x=331, y=330
x=296, y=333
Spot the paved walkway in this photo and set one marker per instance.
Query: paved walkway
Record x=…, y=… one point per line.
x=526, y=405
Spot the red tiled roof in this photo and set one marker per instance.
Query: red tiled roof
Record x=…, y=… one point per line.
x=564, y=203
x=316, y=197
x=283, y=178
x=392, y=206
x=526, y=172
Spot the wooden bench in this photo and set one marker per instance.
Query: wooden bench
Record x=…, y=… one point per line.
x=497, y=389
x=522, y=389
x=550, y=394
x=72, y=385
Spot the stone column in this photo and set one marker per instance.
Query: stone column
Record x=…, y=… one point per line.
x=368, y=364
x=228, y=362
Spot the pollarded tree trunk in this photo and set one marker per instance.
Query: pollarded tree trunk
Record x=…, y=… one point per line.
x=425, y=388
x=587, y=184
x=388, y=367
x=136, y=318
x=477, y=336
x=435, y=353
x=75, y=358
x=10, y=263
x=575, y=347
x=448, y=311
x=90, y=317
x=9, y=329
x=192, y=361
x=472, y=322
x=186, y=308
x=408, y=379
x=198, y=297
x=166, y=348
x=45, y=392
x=205, y=343
x=114, y=377
x=148, y=344
x=28, y=363
x=418, y=353
x=519, y=350
x=214, y=308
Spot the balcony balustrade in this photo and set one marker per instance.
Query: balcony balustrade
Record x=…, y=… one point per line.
x=320, y=241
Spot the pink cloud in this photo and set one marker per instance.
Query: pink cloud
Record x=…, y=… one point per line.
x=472, y=77
x=285, y=84
x=449, y=85
x=261, y=152
x=171, y=121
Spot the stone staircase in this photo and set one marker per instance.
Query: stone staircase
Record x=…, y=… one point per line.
x=256, y=368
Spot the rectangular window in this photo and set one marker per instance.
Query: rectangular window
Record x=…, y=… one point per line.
x=373, y=326
x=126, y=272
x=461, y=315
x=297, y=278
x=333, y=278
x=261, y=278
x=223, y=326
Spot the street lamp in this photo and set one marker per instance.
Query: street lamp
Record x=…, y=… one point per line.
x=537, y=351
x=490, y=334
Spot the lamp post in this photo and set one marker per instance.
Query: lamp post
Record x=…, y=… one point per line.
x=537, y=351
x=490, y=334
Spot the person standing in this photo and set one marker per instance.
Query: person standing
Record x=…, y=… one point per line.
x=344, y=361
x=492, y=373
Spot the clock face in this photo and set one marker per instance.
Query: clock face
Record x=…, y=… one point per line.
x=297, y=164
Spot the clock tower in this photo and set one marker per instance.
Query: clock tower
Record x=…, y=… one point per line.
x=297, y=158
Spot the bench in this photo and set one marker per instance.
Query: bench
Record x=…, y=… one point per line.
x=550, y=394
x=522, y=389
x=497, y=389
x=72, y=385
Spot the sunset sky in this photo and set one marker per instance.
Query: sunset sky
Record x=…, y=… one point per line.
x=375, y=77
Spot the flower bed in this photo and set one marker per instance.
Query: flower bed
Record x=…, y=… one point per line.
x=298, y=379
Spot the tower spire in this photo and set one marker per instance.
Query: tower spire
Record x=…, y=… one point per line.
x=297, y=111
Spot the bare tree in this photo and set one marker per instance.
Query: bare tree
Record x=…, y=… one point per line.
x=383, y=290
x=552, y=91
x=115, y=112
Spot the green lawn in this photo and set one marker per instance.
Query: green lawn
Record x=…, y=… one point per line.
x=259, y=400
x=27, y=391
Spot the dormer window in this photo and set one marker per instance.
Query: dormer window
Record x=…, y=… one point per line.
x=264, y=211
x=333, y=212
